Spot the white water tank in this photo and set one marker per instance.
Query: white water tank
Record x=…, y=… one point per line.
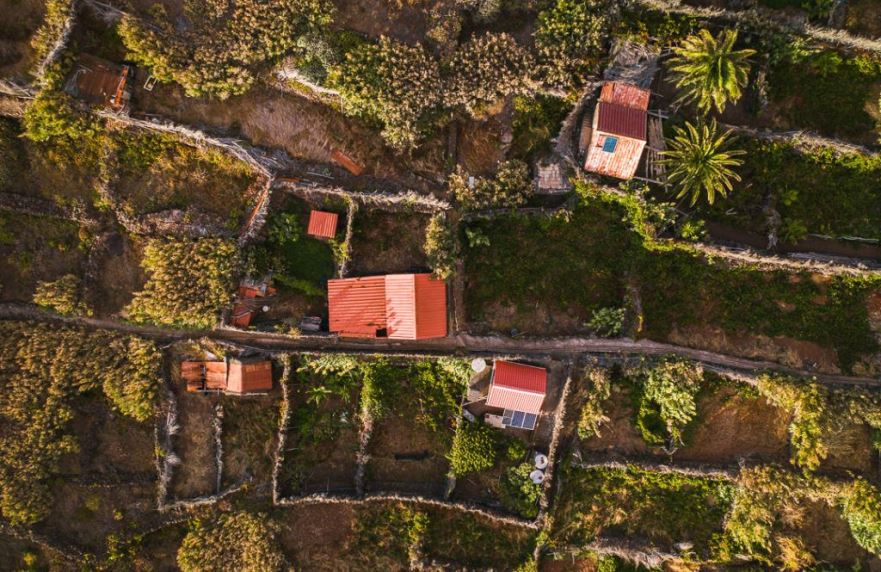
x=478, y=365
x=541, y=461
x=537, y=476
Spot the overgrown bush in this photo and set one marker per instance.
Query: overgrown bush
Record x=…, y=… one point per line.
x=49, y=32
x=232, y=541
x=861, y=508
x=189, y=282
x=667, y=401
x=608, y=322
x=42, y=368
x=224, y=44
x=441, y=247
x=569, y=40
x=394, y=84
x=484, y=69
x=474, y=449
x=518, y=493
x=592, y=417
x=511, y=187
x=64, y=296
x=808, y=402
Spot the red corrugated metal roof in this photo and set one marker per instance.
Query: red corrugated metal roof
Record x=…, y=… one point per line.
x=406, y=306
x=356, y=306
x=242, y=314
x=100, y=82
x=322, y=224
x=248, y=377
x=517, y=387
x=520, y=376
x=215, y=375
x=621, y=120
x=625, y=94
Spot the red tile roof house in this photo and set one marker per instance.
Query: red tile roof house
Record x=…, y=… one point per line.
x=322, y=224
x=237, y=376
x=396, y=306
x=618, y=133
x=517, y=390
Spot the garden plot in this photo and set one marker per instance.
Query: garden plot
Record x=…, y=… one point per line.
x=497, y=462
x=386, y=242
x=550, y=274
x=316, y=536
x=413, y=405
x=109, y=481
x=321, y=448
x=250, y=427
x=157, y=173
x=116, y=273
x=300, y=264
x=18, y=22
x=35, y=249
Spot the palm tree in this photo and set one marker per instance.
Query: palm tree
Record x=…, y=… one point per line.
x=709, y=71
x=700, y=161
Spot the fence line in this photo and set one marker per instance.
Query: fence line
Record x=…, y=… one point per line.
x=59, y=45
x=284, y=421
x=407, y=200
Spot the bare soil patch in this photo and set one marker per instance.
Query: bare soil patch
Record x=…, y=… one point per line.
x=406, y=21
x=482, y=143
x=850, y=451
x=388, y=242
x=731, y=426
x=407, y=457
x=314, y=536
x=119, y=276
x=34, y=249
x=196, y=475
x=250, y=427
x=18, y=22
x=829, y=535
x=787, y=351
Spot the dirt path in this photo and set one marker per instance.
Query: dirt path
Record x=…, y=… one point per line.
x=462, y=343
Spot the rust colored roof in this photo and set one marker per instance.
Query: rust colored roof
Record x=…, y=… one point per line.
x=621, y=120
x=242, y=314
x=625, y=94
x=397, y=306
x=99, y=82
x=249, y=376
x=356, y=306
x=517, y=387
x=416, y=306
x=322, y=224
x=346, y=162
x=192, y=371
x=622, y=163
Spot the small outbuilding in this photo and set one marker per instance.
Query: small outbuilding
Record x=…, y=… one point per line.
x=322, y=224
x=99, y=82
x=238, y=376
x=395, y=306
x=518, y=391
x=618, y=132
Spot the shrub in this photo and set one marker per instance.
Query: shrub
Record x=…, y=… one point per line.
x=667, y=400
x=189, y=281
x=474, y=449
x=56, y=14
x=518, y=493
x=234, y=541
x=485, y=69
x=64, y=296
x=11, y=155
x=807, y=401
x=515, y=450
x=441, y=247
x=569, y=40
x=225, y=43
x=393, y=84
x=608, y=322
x=592, y=416
x=511, y=187
x=396, y=532
x=861, y=508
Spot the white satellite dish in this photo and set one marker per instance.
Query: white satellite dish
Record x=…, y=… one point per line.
x=541, y=461
x=265, y=308
x=478, y=365
x=537, y=476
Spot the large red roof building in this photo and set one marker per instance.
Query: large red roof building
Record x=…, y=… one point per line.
x=519, y=391
x=395, y=306
x=618, y=133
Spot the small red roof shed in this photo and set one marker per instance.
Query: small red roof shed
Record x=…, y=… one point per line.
x=99, y=82
x=322, y=224
x=249, y=376
x=517, y=387
x=618, y=132
x=396, y=306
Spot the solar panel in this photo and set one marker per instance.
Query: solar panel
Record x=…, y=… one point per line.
x=519, y=419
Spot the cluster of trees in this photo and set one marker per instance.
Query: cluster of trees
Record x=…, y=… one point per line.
x=42, y=368
x=225, y=42
x=667, y=399
x=189, y=282
x=441, y=246
x=233, y=541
